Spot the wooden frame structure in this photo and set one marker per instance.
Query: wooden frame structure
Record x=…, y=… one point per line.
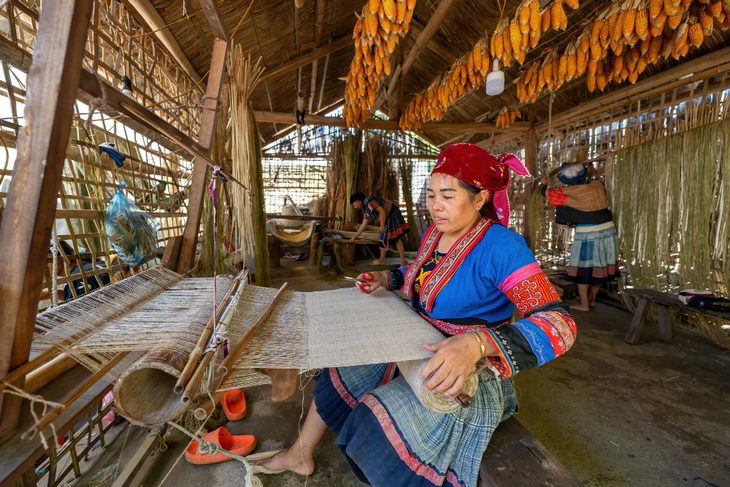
x=100, y=45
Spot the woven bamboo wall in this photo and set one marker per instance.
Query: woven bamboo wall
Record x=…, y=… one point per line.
x=157, y=178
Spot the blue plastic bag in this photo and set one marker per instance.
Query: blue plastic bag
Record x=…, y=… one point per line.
x=132, y=232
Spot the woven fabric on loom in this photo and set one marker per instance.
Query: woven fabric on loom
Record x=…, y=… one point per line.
x=167, y=313
x=326, y=329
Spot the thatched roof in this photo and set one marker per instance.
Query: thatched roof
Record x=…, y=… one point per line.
x=279, y=32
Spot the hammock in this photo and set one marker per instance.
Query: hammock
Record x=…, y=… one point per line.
x=290, y=237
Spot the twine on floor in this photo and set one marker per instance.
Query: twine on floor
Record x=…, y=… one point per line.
x=210, y=448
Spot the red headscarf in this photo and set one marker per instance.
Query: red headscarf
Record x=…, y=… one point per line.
x=477, y=167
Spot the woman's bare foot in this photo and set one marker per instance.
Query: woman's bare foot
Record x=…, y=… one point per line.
x=579, y=307
x=378, y=262
x=293, y=460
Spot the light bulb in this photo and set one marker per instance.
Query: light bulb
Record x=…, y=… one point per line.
x=495, y=80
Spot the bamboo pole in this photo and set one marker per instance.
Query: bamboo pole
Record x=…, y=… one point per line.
x=190, y=366
x=46, y=373
x=194, y=384
x=85, y=386
x=224, y=369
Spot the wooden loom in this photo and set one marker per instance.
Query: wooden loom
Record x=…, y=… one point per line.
x=168, y=318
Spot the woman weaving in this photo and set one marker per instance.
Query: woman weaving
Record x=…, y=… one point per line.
x=470, y=273
x=386, y=214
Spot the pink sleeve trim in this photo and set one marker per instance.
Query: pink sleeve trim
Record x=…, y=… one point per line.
x=519, y=275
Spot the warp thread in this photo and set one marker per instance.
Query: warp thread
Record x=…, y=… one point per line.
x=218, y=339
x=54, y=271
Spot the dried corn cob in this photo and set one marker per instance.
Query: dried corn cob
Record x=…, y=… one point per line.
x=706, y=21
x=629, y=23
x=507, y=46
x=618, y=65
x=642, y=24
x=655, y=8
x=591, y=82
x=657, y=25
x=617, y=31
x=523, y=14
x=671, y=7
x=655, y=49
x=374, y=5
x=389, y=9
x=535, y=22
x=572, y=68
x=545, y=20
x=581, y=63
x=515, y=36
x=674, y=20
x=696, y=34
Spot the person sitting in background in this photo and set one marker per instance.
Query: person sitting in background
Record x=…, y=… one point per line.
x=582, y=203
x=386, y=214
x=75, y=269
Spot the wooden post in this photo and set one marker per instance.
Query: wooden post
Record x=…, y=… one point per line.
x=205, y=139
x=31, y=205
x=530, y=140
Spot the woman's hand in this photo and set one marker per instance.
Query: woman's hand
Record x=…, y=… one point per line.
x=453, y=361
x=368, y=282
x=545, y=180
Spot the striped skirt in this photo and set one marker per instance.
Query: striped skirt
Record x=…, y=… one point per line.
x=391, y=440
x=395, y=226
x=594, y=256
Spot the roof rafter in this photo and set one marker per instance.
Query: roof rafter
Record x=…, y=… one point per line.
x=152, y=18
x=304, y=59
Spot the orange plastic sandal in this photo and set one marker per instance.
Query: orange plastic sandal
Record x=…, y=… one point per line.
x=234, y=404
x=238, y=444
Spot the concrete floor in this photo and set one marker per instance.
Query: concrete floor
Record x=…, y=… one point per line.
x=652, y=414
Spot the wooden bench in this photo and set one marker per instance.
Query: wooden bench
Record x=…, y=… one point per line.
x=515, y=458
x=663, y=302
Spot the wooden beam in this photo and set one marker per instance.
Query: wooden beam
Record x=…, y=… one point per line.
x=91, y=87
x=205, y=140
x=700, y=68
x=215, y=20
x=307, y=58
x=531, y=148
x=153, y=19
x=24, y=237
x=499, y=139
x=477, y=127
x=418, y=30
x=428, y=32
x=141, y=454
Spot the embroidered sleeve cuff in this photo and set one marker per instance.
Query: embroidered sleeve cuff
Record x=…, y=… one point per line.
x=395, y=279
x=502, y=361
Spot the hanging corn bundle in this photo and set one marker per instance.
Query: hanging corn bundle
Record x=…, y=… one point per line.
x=506, y=118
x=622, y=41
x=248, y=205
x=376, y=34
x=466, y=74
x=512, y=40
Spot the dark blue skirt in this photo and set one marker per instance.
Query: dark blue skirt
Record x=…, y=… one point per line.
x=390, y=439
